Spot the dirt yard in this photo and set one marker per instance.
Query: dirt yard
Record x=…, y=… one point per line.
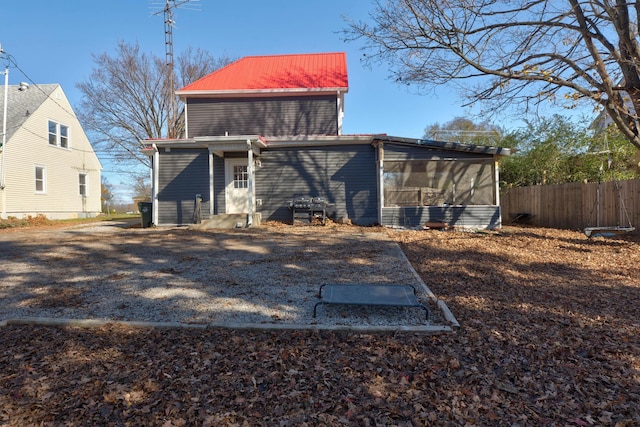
x=266, y=276
x=550, y=336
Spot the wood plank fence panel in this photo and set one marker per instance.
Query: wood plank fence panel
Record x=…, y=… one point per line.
x=573, y=205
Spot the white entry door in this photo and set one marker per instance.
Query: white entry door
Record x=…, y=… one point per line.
x=237, y=185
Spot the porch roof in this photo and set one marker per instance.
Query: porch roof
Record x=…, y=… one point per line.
x=213, y=143
x=258, y=142
x=453, y=146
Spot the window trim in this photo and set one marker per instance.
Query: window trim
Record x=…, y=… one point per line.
x=64, y=137
x=53, y=135
x=83, y=187
x=43, y=179
x=61, y=141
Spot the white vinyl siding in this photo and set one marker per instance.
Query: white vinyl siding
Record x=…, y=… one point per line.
x=29, y=147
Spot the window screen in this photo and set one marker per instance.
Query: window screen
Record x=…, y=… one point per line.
x=438, y=182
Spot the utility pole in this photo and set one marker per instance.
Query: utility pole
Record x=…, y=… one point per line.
x=3, y=213
x=168, y=43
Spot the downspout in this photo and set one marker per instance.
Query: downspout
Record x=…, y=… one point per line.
x=154, y=184
x=186, y=122
x=250, y=182
x=340, y=110
x=380, y=180
x=211, y=185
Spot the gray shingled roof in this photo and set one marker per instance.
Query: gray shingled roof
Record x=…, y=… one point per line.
x=21, y=104
x=454, y=146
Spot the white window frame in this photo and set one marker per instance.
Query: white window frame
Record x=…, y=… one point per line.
x=53, y=134
x=62, y=141
x=83, y=186
x=37, y=180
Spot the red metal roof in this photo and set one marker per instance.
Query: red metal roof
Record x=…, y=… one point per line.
x=304, y=72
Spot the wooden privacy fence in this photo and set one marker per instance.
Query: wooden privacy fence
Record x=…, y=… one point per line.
x=573, y=205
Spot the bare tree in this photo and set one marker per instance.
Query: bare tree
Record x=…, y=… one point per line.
x=125, y=100
x=106, y=195
x=142, y=188
x=515, y=51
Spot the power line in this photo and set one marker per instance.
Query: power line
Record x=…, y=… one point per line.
x=48, y=95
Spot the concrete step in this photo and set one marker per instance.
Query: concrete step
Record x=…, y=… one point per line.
x=226, y=221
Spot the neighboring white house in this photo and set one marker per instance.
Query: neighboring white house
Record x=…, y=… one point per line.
x=48, y=165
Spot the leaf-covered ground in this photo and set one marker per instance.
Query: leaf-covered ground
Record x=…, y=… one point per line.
x=550, y=336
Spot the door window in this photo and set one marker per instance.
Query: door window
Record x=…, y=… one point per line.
x=240, y=177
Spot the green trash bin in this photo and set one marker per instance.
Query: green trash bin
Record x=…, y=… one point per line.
x=146, y=213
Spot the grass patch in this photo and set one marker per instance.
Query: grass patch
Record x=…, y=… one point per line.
x=43, y=221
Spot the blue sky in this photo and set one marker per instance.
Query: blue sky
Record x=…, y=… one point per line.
x=53, y=42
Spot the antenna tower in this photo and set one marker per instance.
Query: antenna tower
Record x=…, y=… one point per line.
x=169, y=5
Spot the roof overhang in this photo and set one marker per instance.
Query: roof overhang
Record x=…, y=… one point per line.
x=317, y=140
x=215, y=144
x=453, y=146
x=257, y=93
x=239, y=143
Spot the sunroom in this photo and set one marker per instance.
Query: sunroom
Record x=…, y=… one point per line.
x=438, y=184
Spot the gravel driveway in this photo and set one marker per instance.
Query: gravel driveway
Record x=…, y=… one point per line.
x=262, y=276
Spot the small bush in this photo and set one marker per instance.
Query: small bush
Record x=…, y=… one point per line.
x=28, y=221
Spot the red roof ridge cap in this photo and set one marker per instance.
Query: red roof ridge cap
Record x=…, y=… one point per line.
x=294, y=54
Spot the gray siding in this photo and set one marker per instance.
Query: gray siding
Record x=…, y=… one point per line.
x=458, y=216
x=183, y=173
x=344, y=175
x=272, y=116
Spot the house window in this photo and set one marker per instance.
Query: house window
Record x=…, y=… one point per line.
x=53, y=133
x=64, y=136
x=41, y=179
x=82, y=183
x=240, y=177
x=58, y=134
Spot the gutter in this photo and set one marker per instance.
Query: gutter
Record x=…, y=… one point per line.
x=259, y=92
